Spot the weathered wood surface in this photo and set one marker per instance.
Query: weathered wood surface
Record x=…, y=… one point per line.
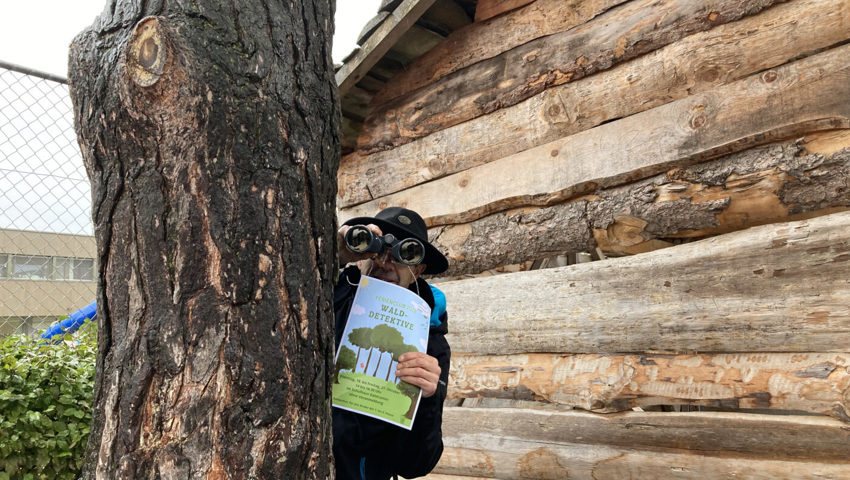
x=415, y=41
x=522, y=72
x=438, y=476
x=518, y=458
x=372, y=25
x=480, y=41
x=778, y=437
x=775, y=288
x=765, y=184
x=805, y=96
x=348, y=134
x=810, y=382
x=356, y=106
x=445, y=16
x=490, y=8
x=695, y=64
x=209, y=131
x=513, y=443
x=380, y=42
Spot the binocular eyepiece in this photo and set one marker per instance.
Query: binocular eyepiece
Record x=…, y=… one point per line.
x=408, y=251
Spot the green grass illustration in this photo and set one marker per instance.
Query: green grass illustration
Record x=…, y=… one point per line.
x=372, y=395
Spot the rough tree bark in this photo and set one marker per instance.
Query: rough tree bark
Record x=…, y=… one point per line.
x=209, y=131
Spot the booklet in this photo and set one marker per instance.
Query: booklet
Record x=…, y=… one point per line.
x=385, y=321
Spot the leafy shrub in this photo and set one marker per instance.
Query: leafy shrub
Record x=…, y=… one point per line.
x=45, y=405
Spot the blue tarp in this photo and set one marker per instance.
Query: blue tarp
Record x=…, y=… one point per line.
x=73, y=322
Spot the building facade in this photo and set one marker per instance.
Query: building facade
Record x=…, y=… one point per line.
x=43, y=277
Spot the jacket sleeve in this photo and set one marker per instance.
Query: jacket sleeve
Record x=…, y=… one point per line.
x=418, y=451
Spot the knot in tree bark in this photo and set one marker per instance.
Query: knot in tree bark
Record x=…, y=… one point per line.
x=147, y=52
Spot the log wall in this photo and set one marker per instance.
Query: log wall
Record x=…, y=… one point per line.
x=709, y=144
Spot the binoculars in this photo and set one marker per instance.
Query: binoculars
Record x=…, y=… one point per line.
x=408, y=251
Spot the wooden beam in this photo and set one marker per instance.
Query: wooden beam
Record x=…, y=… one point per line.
x=778, y=437
x=805, y=96
x=692, y=65
x=513, y=458
x=808, y=382
x=775, y=288
x=371, y=26
x=371, y=84
x=773, y=183
x=379, y=42
x=514, y=443
x=348, y=132
x=355, y=105
x=445, y=16
x=487, y=9
x=640, y=27
x=416, y=41
x=437, y=476
x=480, y=41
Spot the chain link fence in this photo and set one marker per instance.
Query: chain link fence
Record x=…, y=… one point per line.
x=47, y=251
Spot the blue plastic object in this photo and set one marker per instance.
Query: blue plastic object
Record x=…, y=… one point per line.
x=73, y=322
x=439, y=306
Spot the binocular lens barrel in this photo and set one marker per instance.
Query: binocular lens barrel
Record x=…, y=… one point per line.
x=408, y=251
x=358, y=239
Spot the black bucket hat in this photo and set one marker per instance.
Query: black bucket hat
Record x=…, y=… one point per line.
x=404, y=223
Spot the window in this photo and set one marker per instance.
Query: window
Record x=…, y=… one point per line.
x=31, y=267
x=62, y=268
x=83, y=269
x=42, y=267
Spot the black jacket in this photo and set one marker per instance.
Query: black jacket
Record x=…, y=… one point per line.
x=365, y=448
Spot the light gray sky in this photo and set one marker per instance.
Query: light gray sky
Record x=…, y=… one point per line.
x=36, y=33
x=43, y=185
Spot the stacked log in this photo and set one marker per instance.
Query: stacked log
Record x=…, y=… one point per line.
x=706, y=144
x=754, y=299
x=530, y=444
x=749, y=323
x=726, y=90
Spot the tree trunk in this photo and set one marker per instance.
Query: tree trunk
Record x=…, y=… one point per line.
x=375, y=373
x=209, y=131
x=368, y=361
x=356, y=360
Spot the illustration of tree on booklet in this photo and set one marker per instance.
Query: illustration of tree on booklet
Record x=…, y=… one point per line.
x=385, y=321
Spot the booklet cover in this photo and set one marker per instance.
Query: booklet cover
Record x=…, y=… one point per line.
x=385, y=321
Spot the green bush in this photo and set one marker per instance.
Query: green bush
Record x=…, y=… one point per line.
x=45, y=405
